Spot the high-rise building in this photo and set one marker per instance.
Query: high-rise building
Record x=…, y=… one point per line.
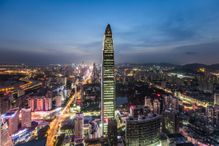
x=79, y=126
x=47, y=104
x=12, y=119
x=138, y=110
x=94, y=130
x=216, y=115
x=216, y=94
x=216, y=98
x=108, y=81
x=170, y=121
x=31, y=104
x=5, y=139
x=95, y=76
x=112, y=132
x=148, y=103
x=58, y=100
x=4, y=104
x=25, y=117
x=143, y=131
x=156, y=106
x=212, y=113
x=40, y=104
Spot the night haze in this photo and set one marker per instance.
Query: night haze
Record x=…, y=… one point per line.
x=50, y=32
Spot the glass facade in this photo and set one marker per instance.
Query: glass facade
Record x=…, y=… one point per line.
x=143, y=132
x=108, y=80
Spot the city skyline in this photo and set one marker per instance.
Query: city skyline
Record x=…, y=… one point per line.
x=109, y=73
x=107, y=81
x=44, y=32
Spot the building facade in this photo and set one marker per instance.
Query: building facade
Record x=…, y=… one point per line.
x=5, y=139
x=143, y=131
x=108, y=81
x=12, y=119
x=216, y=98
x=26, y=118
x=216, y=94
x=79, y=126
x=170, y=121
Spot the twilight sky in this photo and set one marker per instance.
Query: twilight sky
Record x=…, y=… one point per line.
x=144, y=31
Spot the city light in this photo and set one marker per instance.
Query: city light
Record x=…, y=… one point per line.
x=112, y=73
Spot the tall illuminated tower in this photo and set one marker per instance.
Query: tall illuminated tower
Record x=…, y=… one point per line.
x=108, y=81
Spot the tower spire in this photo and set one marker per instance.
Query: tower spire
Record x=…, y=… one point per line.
x=108, y=31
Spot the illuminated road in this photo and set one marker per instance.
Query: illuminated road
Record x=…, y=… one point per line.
x=184, y=98
x=54, y=125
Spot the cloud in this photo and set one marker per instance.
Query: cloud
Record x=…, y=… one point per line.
x=14, y=56
x=34, y=52
x=206, y=53
x=191, y=53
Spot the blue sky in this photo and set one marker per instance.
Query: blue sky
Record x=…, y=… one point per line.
x=144, y=31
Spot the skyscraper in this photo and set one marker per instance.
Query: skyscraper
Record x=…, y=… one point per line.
x=12, y=119
x=95, y=77
x=108, y=81
x=216, y=95
x=143, y=130
x=112, y=132
x=79, y=128
x=26, y=117
x=5, y=139
x=170, y=121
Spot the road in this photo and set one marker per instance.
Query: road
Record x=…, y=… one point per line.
x=183, y=97
x=54, y=125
